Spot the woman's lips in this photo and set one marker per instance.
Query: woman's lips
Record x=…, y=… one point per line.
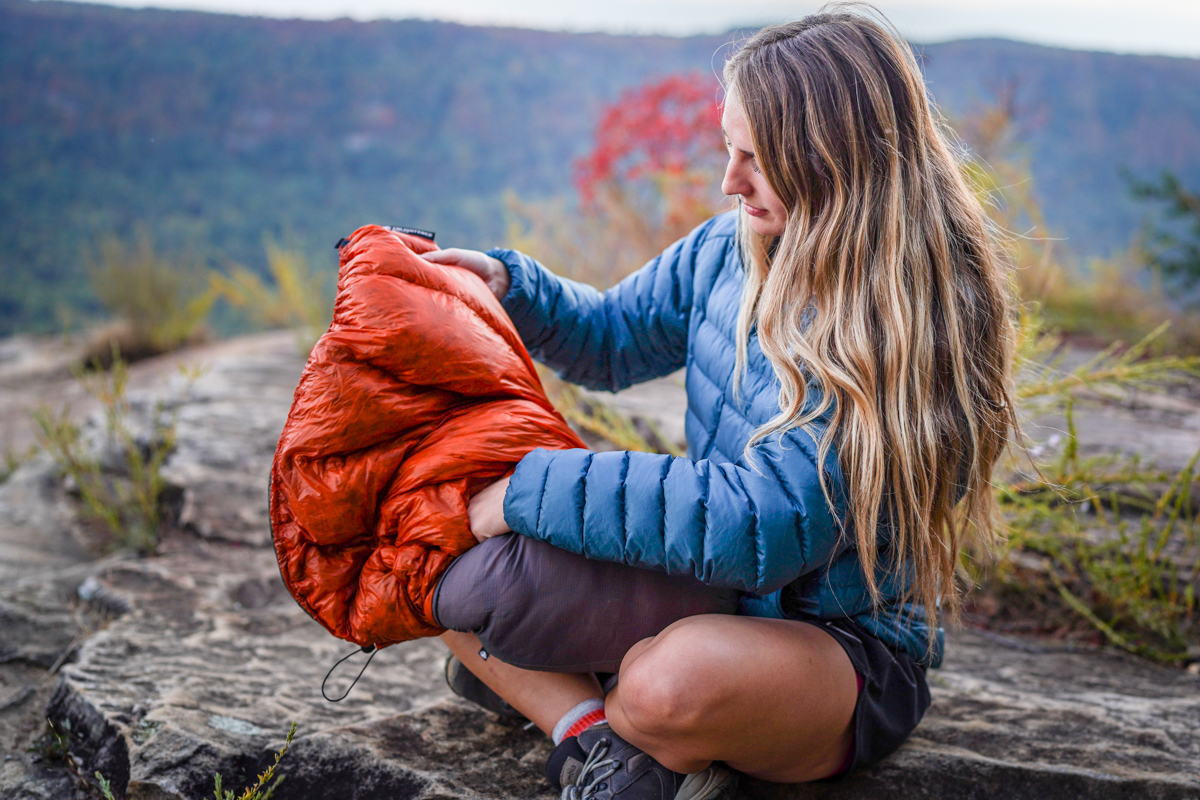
x=752, y=211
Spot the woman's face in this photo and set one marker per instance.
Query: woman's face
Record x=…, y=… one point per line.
x=766, y=214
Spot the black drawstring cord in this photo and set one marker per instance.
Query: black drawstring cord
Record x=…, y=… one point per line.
x=370, y=648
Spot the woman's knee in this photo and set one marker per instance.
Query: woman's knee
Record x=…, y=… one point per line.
x=666, y=684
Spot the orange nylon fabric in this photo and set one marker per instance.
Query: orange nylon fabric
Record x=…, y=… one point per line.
x=419, y=395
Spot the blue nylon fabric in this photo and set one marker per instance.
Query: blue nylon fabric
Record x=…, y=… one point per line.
x=757, y=528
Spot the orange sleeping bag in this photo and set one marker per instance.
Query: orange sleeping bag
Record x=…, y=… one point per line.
x=419, y=395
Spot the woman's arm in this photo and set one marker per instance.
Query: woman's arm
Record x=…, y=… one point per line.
x=635, y=331
x=725, y=524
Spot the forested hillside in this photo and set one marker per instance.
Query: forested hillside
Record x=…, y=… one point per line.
x=211, y=131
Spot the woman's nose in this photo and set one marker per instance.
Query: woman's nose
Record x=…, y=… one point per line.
x=732, y=183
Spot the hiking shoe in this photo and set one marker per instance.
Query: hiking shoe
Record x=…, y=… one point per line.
x=464, y=684
x=599, y=765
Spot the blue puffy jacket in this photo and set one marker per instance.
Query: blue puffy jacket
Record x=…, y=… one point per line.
x=765, y=529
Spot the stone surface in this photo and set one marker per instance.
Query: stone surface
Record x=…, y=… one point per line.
x=226, y=434
x=1012, y=719
x=1161, y=428
x=195, y=660
x=210, y=665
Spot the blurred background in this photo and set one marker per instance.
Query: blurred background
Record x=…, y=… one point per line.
x=182, y=173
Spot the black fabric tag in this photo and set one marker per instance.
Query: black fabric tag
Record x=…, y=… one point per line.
x=430, y=235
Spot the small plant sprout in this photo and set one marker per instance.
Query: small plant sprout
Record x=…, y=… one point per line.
x=105, y=786
x=262, y=789
x=58, y=745
x=125, y=492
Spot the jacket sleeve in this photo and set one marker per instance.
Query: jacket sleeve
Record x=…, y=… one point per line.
x=749, y=529
x=635, y=331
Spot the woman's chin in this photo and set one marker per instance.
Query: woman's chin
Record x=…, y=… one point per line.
x=764, y=226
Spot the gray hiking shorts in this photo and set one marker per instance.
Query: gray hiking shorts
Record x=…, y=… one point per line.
x=536, y=606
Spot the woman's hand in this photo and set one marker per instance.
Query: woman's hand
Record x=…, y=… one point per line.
x=491, y=270
x=485, y=512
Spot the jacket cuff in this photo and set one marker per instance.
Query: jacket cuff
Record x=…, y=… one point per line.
x=522, y=287
x=526, y=488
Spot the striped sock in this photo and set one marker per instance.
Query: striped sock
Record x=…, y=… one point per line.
x=578, y=720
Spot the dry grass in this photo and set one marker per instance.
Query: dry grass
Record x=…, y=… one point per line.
x=118, y=479
x=159, y=306
x=298, y=297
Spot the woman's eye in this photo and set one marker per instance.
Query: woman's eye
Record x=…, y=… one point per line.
x=753, y=163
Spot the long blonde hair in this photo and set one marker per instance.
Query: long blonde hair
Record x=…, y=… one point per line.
x=885, y=289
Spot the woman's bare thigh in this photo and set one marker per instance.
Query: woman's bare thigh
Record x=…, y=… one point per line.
x=772, y=698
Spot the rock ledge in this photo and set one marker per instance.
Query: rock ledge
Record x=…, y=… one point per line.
x=196, y=660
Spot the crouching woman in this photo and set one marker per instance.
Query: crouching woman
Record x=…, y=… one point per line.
x=770, y=603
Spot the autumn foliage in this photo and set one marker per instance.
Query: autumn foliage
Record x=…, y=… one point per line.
x=653, y=174
x=664, y=129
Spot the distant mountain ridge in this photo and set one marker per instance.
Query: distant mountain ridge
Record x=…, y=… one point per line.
x=210, y=130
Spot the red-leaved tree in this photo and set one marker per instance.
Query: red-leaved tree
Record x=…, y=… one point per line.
x=669, y=128
x=653, y=175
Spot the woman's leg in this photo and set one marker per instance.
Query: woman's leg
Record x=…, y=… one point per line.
x=543, y=697
x=772, y=698
x=542, y=608
x=537, y=607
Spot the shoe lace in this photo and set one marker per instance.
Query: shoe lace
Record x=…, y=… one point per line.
x=595, y=769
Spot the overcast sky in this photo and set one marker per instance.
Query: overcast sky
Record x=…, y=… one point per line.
x=1169, y=27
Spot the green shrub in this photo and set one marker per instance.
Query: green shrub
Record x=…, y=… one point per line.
x=1106, y=541
x=298, y=297
x=262, y=789
x=126, y=496
x=159, y=306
